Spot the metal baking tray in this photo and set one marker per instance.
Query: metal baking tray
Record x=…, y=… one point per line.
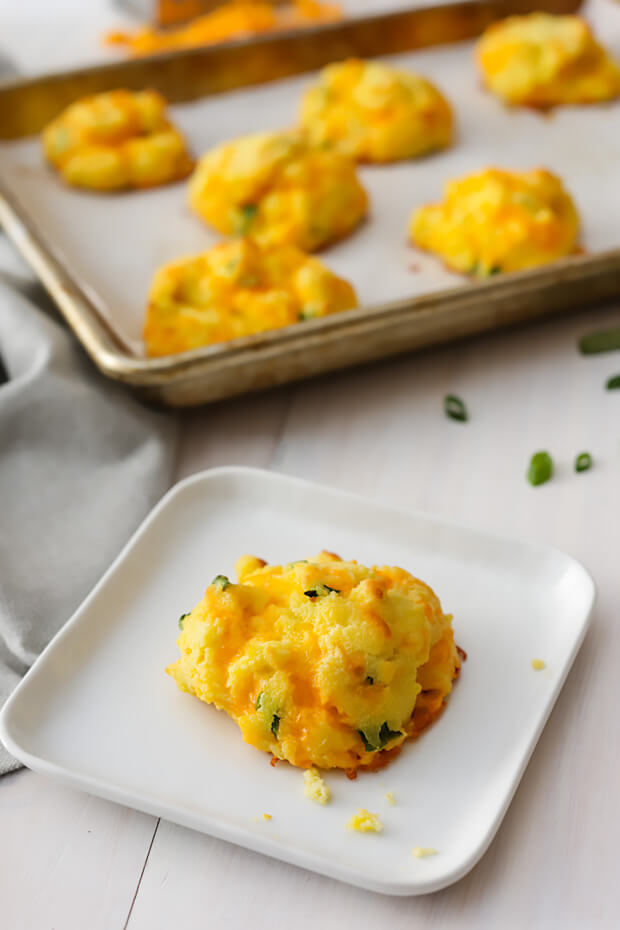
x=408, y=301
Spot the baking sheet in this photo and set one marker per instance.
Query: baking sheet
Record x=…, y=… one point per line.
x=114, y=243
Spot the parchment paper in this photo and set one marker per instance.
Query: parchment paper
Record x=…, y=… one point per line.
x=114, y=243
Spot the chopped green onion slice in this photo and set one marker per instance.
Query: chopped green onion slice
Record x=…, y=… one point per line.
x=612, y=383
x=258, y=701
x=275, y=725
x=583, y=461
x=605, y=340
x=386, y=735
x=221, y=581
x=182, y=620
x=320, y=590
x=541, y=468
x=455, y=408
x=369, y=680
x=367, y=746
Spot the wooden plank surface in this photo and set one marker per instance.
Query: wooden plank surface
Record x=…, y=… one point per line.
x=381, y=432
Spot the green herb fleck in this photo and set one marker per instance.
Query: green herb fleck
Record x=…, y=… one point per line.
x=182, y=619
x=386, y=735
x=309, y=312
x=612, y=383
x=494, y=269
x=583, y=461
x=275, y=725
x=369, y=680
x=455, y=408
x=221, y=581
x=320, y=590
x=258, y=701
x=247, y=215
x=367, y=746
x=605, y=340
x=541, y=468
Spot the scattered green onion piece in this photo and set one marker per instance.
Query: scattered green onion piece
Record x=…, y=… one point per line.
x=455, y=408
x=386, y=735
x=541, y=468
x=369, y=680
x=605, y=340
x=182, y=620
x=275, y=725
x=258, y=701
x=612, y=383
x=583, y=461
x=221, y=581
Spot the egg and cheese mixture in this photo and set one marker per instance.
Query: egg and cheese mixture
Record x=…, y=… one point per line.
x=235, y=289
x=321, y=662
x=495, y=221
x=375, y=113
x=117, y=140
x=279, y=190
x=540, y=60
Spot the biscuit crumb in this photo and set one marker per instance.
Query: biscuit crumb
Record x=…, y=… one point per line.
x=315, y=787
x=421, y=852
x=266, y=816
x=365, y=822
x=389, y=797
x=538, y=664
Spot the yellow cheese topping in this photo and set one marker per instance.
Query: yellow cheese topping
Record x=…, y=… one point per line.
x=422, y=852
x=315, y=787
x=236, y=289
x=322, y=662
x=365, y=822
x=117, y=140
x=376, y=113
x=538, y=664
x=540, y=60
x=279, y=190
x=496, y=220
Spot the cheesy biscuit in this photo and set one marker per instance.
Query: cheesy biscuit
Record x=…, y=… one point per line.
x=321, y=662
x=495, y=221
x=117, y=140
x=541, y=60
x=236, y=289
x=376, y=113
x=279, y=190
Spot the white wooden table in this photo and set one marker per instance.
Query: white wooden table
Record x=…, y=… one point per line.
x=72, y=862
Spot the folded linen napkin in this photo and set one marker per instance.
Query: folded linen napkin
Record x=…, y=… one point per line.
x=81, y=463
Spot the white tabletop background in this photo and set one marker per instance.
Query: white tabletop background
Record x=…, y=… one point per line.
x=73, y=862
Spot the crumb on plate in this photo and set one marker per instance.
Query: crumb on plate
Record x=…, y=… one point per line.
x=538, y=664
x=423, y=852
x=365, y=822
x=389, y=797
x=315, y=787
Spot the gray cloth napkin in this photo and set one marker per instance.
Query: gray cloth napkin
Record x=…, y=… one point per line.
x=81, y=463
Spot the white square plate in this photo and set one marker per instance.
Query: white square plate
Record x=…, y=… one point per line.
x=97, y=711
